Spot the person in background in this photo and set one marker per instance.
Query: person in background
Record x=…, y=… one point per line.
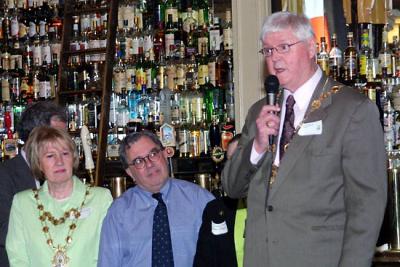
x=156, y=223
x=15, y=173
x=317, y=195
x=58, y=224
x=221, y=236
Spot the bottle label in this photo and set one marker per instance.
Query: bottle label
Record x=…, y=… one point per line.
x=202, y=74
x=385, y=61
x=43, y=28
x=46, y=54
x=169, y=41
x=363, y=64
x=5, y=90
x=228, y=39
x=195, y=144
x=174, y=12
x=211, y=72
x=201, y=41
x=215, y=40
x=184, y=141
x=14, y=27
x=32, y=29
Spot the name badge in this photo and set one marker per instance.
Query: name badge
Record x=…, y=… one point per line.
x=219, y=228
x=311, y=128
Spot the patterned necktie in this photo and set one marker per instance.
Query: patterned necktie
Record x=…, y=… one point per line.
x=288, y=126
x=161, y=244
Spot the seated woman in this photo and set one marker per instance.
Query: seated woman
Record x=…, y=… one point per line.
x=59, y=224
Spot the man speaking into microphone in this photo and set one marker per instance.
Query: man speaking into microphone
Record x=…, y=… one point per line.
x=316, y=191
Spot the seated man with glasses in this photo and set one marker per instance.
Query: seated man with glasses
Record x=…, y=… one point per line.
x=157, y=222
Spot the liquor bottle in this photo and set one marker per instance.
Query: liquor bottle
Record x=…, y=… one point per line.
x=197, y=102
x=37, y=52
x=214, y=133
x=170, y=37
x=350, y=61
x=14, y=24
x=335, y=59
x=195, y=139
x=119, y=77
x=165, y=102
x=371, y=86
x=122, y=109
x=229, y=96
x=94, y=41
x=159, y=13
x=202, y=37
x=385, y=53
x=365, y=54
x=53, y=75
x=202, y=65
x=190, y=22
x=6, y=26
x=180, y=36
x=215, y=36
x=184, y=140
x=323, y=57
x=185, y=103
x=227, y=31
x=208, y=93
x=175, y=108
x=44, y=82
x=203, y=12
x=55, y=26
x=194, y=5
x=148, y=38
x=180, y=68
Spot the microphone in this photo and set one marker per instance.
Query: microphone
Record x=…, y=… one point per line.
x=271, y=85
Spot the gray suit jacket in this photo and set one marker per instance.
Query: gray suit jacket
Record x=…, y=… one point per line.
x=15, y=176
x=327, y=203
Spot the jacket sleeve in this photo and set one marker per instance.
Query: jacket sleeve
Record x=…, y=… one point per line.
x=205, y=247
x=6, y=198
x=239, y=171
x=365, y=185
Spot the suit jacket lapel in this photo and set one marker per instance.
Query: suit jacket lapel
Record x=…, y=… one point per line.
x=299, y=143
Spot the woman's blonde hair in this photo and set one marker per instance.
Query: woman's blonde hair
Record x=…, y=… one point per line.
x=38, y=140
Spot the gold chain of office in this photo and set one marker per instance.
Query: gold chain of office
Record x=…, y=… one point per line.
x=315, y=104
x=60, y=257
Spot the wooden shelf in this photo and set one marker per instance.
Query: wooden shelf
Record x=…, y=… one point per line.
x=79, y=92
x=85, y=10
x=86, y=51
x=387, y=258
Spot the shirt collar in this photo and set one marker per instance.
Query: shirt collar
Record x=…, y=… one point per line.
x=304, y=93
x=164, y=191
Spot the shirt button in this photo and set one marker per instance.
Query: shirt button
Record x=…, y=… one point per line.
x=270, y=208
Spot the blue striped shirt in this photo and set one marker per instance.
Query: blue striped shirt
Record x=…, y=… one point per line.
x=126, y=236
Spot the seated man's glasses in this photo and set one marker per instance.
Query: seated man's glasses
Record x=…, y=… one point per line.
x=281, y=49
x=153, y=156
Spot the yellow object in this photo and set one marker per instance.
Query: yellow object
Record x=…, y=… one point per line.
x=240, y=223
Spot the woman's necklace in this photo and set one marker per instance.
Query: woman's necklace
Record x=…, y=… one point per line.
x=60, y=258
x=315, y=104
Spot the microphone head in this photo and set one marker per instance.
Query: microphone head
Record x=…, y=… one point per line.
x=271, y=84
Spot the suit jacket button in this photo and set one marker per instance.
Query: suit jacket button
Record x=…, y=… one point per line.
x=270, y=208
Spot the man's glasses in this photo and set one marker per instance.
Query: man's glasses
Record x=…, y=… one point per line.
x=281, y=49
x=153, y=156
